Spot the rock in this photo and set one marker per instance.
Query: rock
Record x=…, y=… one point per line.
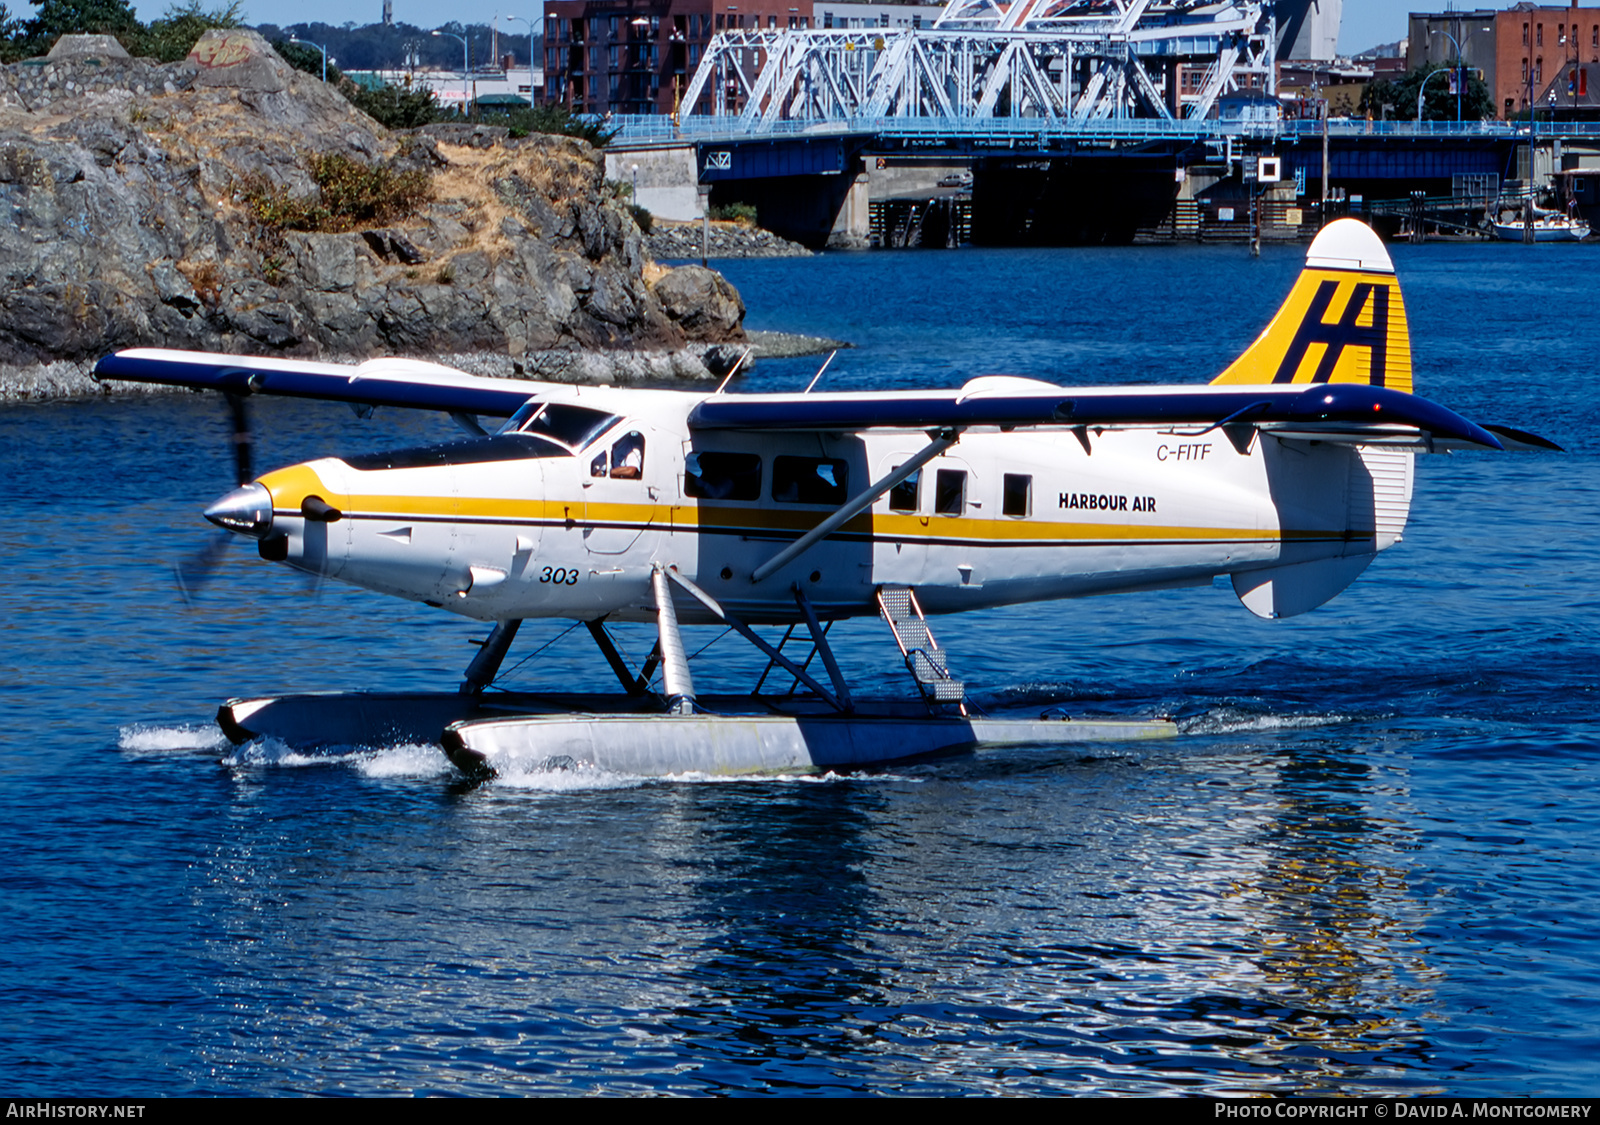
x=134, y=192
x=393, y=246
x=668, y=241
x=87, y=47
x=239, y=60
x=466, y=133
x=701, y=302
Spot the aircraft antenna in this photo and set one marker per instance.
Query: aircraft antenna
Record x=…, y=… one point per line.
x=732, y=371
x=820, y=370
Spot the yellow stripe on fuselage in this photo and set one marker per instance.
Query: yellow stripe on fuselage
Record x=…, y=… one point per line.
x=888, y=527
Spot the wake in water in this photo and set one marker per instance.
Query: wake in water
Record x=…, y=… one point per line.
x=420, y=760
x=1225, y=719
x=152, y=740
x=423, y=761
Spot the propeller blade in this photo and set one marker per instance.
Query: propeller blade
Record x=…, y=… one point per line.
x=243, y=441
x=194, y=572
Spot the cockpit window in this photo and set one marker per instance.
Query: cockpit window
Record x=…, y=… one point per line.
x=627, y=457
x=471, y=451
x=573, y=426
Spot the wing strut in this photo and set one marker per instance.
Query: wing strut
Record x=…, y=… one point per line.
x=942, y=440
x=676, y=683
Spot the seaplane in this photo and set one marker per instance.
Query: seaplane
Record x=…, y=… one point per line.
x=1287, y=474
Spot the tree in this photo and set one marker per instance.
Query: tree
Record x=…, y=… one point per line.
x=173, y=36
x=394, y=106
x=10, y=36
x=68, y=17
x=555, y=119
x=83, y=17
x=308, y=59
x=1439, y=104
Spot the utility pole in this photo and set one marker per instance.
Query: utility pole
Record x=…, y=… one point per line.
x=1324, y=208
x=1533, y=136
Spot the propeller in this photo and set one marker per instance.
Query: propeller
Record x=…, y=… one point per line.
x=195, y=571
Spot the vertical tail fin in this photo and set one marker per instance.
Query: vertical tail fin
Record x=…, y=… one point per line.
x=1344, y=320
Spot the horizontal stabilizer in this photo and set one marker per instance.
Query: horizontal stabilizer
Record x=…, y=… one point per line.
x=1522, y=440
x=1285, y=591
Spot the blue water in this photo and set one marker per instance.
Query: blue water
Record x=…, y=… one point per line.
x=1369, y=866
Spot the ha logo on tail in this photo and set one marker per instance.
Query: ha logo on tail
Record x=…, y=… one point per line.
x=1344, y=321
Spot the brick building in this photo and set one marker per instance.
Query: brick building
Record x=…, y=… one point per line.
x=1521, y=52
x=637, y=56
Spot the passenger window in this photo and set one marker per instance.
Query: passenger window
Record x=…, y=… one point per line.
x=627, y=457
x=597, y=467
x=903, y=496
x=1017, y=496
x=809, y=480
x=950, y=492
x=723, y=476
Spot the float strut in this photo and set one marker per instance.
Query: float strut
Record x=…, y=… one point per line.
x=486, y=665
x=632, y=685
x=819, y=640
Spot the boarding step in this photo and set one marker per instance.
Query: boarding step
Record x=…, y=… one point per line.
x=924, y=658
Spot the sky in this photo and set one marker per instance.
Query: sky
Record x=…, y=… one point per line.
x=1367, y=23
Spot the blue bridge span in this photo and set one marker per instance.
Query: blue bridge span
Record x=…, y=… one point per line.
x=1129, y=170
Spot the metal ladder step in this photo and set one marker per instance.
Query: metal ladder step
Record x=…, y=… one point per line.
x=925, y=660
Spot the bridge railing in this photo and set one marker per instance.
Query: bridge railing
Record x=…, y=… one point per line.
x=705, y=128
x=633, y=130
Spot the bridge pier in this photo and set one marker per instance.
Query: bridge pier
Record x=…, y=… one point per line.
x=817, y=211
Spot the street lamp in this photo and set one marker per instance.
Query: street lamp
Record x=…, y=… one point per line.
x=466, y=70
x=324, y=50
x=1421, y=89
x=532, y=30
x=638, y=62
x=1460, y=69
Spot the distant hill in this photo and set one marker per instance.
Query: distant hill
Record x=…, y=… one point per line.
x=380, y=46
x=1384, y=51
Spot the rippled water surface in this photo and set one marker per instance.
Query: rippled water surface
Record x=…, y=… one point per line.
x=1368, y=866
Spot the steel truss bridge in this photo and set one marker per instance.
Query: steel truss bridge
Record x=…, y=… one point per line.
x=1050, y=61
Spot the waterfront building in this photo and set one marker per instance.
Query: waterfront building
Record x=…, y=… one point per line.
x=504, y=87
x=637, y=56
x=1520, y=52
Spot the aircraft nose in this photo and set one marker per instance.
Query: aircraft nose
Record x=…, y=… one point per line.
x=246, y=510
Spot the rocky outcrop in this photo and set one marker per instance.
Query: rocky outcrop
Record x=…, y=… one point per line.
x=133, y=192
x=701, y=302
x=669, y=241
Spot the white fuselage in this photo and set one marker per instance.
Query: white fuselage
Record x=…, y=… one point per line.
x=997, y=518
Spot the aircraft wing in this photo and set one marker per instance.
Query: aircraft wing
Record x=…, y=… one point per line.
x=378, y=382
x=1348, y=412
